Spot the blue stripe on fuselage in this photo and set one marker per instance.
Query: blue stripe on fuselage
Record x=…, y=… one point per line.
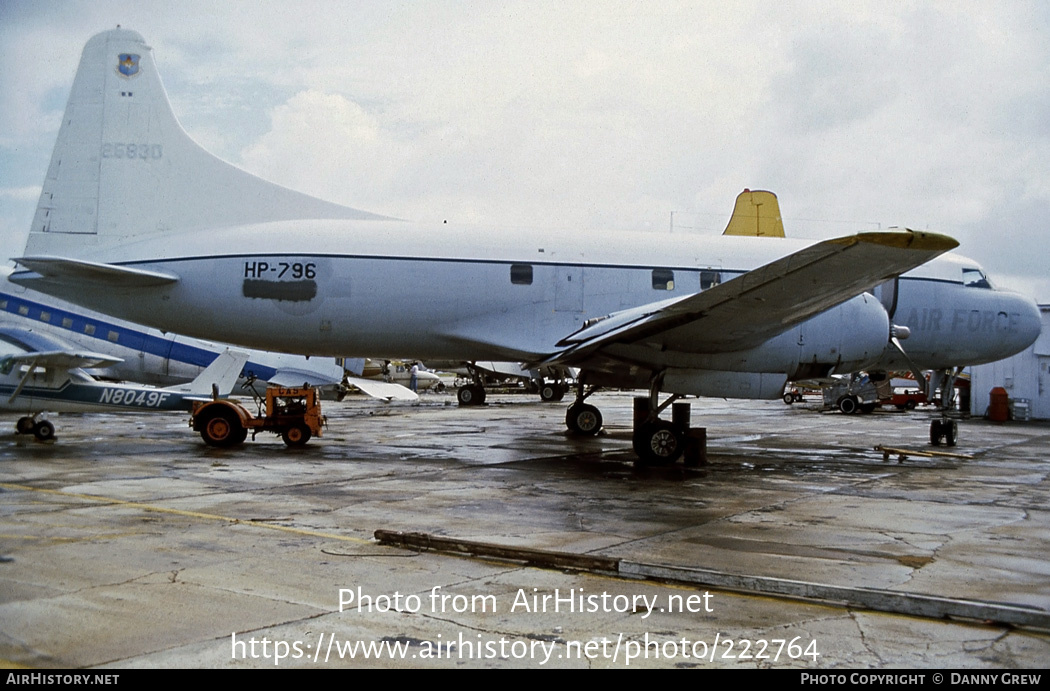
x=127, y=337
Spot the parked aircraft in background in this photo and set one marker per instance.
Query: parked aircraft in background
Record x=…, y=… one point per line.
x=149, y=356
x=551, y=383
x=136, y=219
x=398, y=372
x=40, y=373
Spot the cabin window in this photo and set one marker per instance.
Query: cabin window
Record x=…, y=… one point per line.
x=521, y=274
x=663, y=279
x=975, y=278
x=113, y=336
x=45, y=316
x=23, y=310
x=67, y=323
x=709, y=278
x=89, y=329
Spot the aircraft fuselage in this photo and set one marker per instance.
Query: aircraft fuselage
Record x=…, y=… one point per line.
x=393, y=287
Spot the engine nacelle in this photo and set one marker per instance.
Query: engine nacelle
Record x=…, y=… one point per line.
x=847, y=338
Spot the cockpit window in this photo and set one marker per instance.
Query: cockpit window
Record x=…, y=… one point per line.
x=975, y=278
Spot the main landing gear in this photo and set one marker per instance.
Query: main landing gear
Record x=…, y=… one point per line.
x=553, y=391
x=43, y=430
x=662, y=442
x=474, y=392
x=583, y=418
x=471, y=394
x=946, y=430
x=657, y=442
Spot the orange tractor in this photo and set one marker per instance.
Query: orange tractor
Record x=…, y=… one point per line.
x=294, y=413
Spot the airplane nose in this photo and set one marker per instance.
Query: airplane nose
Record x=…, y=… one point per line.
x=1029, y=322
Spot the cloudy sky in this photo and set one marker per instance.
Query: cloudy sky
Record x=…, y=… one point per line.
x=590, y=114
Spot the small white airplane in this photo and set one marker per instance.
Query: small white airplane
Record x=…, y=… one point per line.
x=136, y=219
x=150, y=356
x=397, y=372
x=40, y=373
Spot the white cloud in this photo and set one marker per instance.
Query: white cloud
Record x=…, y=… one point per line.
x=598, y=114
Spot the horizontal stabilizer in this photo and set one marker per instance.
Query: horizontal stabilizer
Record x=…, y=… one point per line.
x=384, y=390
x=80, y=272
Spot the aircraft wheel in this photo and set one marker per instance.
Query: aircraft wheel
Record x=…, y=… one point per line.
x=583, y=418
x=44, y=430
x=659, y=443
x=296, y=436
x=868, y=407
x=552, y=392
x=25, y=425
x=910, y=405
x=946, y=430
x=471, y=394
x=848, y=404
x=223, y=429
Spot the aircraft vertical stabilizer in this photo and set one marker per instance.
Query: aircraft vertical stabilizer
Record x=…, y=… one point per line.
x=123, y=166
x=756, y=214
x=222, y=374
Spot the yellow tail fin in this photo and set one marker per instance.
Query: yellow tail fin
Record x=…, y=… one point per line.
x=757, y=214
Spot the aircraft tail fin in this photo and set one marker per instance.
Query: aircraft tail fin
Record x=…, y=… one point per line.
x=124, y=168
x=222, y=374
x=756, y=214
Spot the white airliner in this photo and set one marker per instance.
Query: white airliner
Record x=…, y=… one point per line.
x=136, y=219
x=39, y=373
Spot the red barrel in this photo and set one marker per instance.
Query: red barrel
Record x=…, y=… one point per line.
x=998, y=405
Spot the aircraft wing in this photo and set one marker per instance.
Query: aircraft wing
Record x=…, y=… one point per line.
x=748, y=310
x=382, y=389
x=51, y=359
x=60, y=359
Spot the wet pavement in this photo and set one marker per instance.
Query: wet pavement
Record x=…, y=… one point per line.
x=129, y=543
